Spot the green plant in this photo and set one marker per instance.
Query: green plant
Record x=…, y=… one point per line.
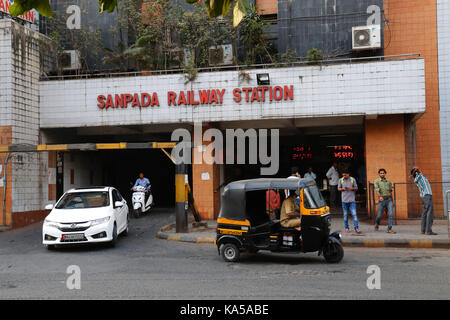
x=252, y=32
x=288, y=57
x=214, y=8
x=314, y=56
x=116, y=57
x=190, y=71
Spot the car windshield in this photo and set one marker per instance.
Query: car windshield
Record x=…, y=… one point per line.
x=84, y=200
x=313, y=198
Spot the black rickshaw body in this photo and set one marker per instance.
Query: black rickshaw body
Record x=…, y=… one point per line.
x=244, y=224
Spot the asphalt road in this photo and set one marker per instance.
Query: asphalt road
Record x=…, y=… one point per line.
x=143, y=267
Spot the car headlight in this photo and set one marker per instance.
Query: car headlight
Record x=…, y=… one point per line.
x=53, y=224
x=100, y=221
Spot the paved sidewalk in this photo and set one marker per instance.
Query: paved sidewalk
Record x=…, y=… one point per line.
x=408, y=234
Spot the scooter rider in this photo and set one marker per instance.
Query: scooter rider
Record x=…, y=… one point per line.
x=143, y=182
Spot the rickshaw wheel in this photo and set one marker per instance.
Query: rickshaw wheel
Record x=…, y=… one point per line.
x=334, y=253
x=229, y=252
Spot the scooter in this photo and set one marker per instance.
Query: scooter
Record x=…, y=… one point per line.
x=138, y=199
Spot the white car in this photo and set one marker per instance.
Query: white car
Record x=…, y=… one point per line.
x=86, y=215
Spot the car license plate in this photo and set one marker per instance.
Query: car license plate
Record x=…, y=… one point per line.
x=73, y=236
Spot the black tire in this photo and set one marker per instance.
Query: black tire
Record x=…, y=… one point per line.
x=333, y=253
x=137, y=213
x=51, y=247
x=113, y=242
x=230, y=252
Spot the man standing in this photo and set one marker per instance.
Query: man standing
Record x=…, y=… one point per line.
x=427, y=199
x=333, y=177
x=310, y=174
x=294, y=175
x=383, y=190
x=348, y=186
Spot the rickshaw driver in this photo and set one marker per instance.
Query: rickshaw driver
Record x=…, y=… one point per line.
x=288, y=217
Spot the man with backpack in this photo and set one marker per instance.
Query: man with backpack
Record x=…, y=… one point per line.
x=348, y=186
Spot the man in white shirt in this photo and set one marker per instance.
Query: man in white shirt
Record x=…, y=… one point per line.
x=294, y=175
x=310, y=174
x=333, y=178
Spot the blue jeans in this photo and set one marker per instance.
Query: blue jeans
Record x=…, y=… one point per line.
x=352, y=207
x=390, y=206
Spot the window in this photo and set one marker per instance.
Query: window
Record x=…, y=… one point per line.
x=84, y=200
x=312, y=198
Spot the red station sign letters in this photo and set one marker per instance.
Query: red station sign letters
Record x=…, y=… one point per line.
x=196, y=97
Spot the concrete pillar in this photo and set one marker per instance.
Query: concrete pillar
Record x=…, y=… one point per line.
x=205, y=180
x=386, y=148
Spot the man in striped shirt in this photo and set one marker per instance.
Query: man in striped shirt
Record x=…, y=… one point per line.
x=427, y=199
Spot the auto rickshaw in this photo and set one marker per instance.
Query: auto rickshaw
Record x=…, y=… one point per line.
x=244, y=226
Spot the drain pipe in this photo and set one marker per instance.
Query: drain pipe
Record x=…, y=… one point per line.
x=5, y=178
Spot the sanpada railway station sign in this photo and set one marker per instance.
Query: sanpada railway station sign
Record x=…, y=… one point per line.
x=196, y=97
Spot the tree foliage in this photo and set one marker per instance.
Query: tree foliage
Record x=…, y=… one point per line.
x=214, y=8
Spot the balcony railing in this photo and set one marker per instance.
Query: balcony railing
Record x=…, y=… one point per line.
x=234, y=67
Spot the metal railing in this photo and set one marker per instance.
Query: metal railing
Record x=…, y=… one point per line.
x=414, y=202
x=113, y=74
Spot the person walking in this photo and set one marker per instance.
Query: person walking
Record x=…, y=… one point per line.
x=347, y=186
x=383, y=191
x=427, y=200
x=333, y=178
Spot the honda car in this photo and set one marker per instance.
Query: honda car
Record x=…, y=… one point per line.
x=86, y=215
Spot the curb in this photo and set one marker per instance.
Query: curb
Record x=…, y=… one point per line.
x=373, y=243
x=178, y=238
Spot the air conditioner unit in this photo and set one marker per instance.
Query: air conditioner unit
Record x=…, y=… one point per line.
x=367, y=37
x=69, y=60
x=221, y=55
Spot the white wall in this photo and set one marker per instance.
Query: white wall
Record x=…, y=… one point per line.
x=82, y=164
x=389, y=87
x=19, y=108
x=443, y=22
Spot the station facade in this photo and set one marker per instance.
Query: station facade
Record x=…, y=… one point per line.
x=366, y=114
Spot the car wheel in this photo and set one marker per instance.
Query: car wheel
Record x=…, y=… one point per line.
x=333, y=253
x=113, y=242
x=51, y=247
x=229, y=252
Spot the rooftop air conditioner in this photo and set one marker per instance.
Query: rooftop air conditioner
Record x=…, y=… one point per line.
x=367, y=37
x=221, y=55
x=70, y=60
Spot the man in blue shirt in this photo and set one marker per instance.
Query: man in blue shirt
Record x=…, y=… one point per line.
x=143, y=182
x=427, y=199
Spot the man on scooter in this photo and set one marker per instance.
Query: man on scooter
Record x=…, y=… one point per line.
x=143, y=182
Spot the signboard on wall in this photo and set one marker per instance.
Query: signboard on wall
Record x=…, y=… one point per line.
x=31, y=16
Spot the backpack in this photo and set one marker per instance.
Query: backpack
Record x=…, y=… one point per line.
x=351, y=180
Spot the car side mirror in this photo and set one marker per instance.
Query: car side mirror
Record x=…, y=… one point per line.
x=118, y=204
x=49, y=207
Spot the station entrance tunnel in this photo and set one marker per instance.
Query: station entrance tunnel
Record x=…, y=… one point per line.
x=119, y=169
